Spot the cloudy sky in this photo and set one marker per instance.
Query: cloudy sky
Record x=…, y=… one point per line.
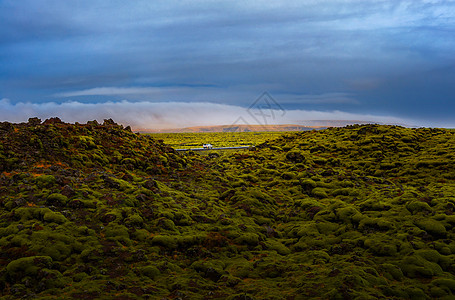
x=184, y=63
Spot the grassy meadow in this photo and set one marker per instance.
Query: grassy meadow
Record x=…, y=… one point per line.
x=217, y=139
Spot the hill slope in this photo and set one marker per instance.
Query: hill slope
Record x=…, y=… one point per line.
x=97, y=211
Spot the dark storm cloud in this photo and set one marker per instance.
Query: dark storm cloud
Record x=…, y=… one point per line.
x=359, y=56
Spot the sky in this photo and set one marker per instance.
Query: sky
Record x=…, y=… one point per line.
x=166, y=64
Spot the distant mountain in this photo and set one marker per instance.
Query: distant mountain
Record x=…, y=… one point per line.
x=303, y=126
x=334, y=123
x=236, y=128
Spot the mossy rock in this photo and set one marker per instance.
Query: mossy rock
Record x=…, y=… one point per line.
x=344, y=192
x=325, y=215
x=167, y=224
x=416, y=293
x=30, y=213
x=240, y=268
x=434, y=256
x=28, y=266
x=57, y=199
x=319, y=193
x=52, y=279
x=327, y=227
x=141, y=235
x=212, y=270
x=381, y=247
x=347, y=214
x=54, y=217
x=418, y=206
x=392, y=272
x=166, y=241
x=375, y=224
x=250, y=239
x=319, y=256
x=432, y=227
x=150, y=271
x=135, y=220
x=45, y=180
x=374, y=205
x=91, y=254
x=308, y=184
x=447, y=283
x=277, y=246
x=10, y=230
x=416, y=266
x=295, y=156
x=116, y=230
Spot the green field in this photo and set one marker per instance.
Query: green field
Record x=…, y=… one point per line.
x=217, y=139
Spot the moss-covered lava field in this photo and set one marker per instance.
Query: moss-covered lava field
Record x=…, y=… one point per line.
x=94, y=211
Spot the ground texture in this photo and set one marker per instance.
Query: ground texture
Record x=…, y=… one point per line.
x=92, y=211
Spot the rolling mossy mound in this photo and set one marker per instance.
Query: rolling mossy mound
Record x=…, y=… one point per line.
x=95, y=211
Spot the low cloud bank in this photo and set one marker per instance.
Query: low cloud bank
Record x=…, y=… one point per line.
x=161, y=115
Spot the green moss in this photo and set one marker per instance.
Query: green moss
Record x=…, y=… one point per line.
x=45, y=180
x=251, y=239
x=392, y=272
x=319, y=192
x=150, y=271
x=277, y=246
x=54, y=217
x=327, y=227
x=432, y=227
x=344, y=192
x=57, y=199
x=240, y=268
x=418, y=206
x=415, y=293
x=166, y=241
x=308, y=184
x=141, y=235
x=416, y=266
x=10, y=230
x=375, y=224
x=212, y=270
x=116, y=230
x=445, y=283
x=381, y=247
x=135, y=219
x=28, y=266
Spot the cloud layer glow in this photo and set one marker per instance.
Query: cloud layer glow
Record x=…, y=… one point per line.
x=388, y=57
x=163, y=115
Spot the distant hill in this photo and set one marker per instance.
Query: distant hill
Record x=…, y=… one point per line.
x=236, y=128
